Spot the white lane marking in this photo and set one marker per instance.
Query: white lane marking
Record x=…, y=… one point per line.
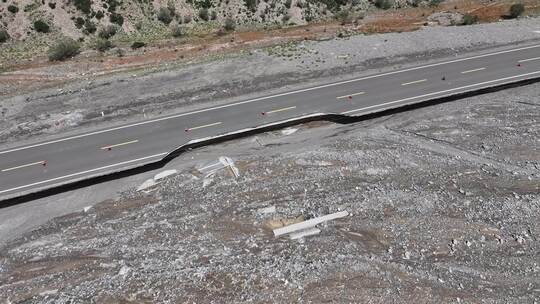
x=439, y=92
x=24, y=166
x=281, y=110
x=351, y=95
x=204, y=126
x=119, y=145
x=472, y=71
x=530, y=59
x=414, y=82
x=82, y=172
x=268, y=97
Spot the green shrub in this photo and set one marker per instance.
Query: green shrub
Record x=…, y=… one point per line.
x=187, y=18
x=137, y=44
x=100, y=15
x=116, y=18
x=41, y=26
x=343, y=16
x=4, y=36
x=213, y=15
x=83, y=5
x=469, y=19
x=79, y=22
x=203, y=14
x=516, y=10
x=164, y=15
x=334, y=5
x=52, y=5
x=288, y=3
x=12, y=9
x=286, y=18
x=89, y=27
x=230, y=24
x=63, y=49
x=107, y=32
x=102, y=45
x=251, y=5
x=384, y=4
x=434, y=3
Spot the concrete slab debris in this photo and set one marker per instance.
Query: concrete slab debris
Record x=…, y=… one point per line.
x=288, y=131
x=304, y=233
x=147, y=184
x=164, y=174
x=309, y=223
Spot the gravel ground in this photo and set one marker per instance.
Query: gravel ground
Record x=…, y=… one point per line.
x=443, y=204
x=134, y=96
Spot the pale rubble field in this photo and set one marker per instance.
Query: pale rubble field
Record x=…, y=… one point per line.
x=443, y=206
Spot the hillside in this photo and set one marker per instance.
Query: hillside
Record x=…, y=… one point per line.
x=29, y=27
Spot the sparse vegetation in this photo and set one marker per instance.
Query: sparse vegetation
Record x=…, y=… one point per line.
x=117, y=19
x=63, y=49
x=137, y=45
x=102, y=45
x=203, y=14
x=107, y=32
x=516, y=10
x=99, y=15
x=251, y=5
x=164, y=15
x=177, y=31
x=4, y=36
x=41, y=26
x=230, y=24
x=83, y=5
x=89, y=27
x=288, y=3
x=469, y=19
x=434, y=3
x=12, y=9
x=384, y=4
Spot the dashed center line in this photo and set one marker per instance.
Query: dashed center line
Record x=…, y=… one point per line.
x=118, y=145
x=414, y=82
x=281, y=110
x=530, y=59
x=204, y=126
x=24, y=166
x=472, y=71
x=350, y=95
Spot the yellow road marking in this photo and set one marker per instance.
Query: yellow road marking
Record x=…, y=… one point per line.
x=24, y=166
x=413, y=82
x=205, y=126
x=350, y=95
x=118, y=145
x=530, y=59
x=471, y=71
x=281, y=110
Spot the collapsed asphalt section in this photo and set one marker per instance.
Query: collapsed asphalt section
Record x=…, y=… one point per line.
x=132, y=169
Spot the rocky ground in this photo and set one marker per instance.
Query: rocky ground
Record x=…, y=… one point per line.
x=443, y=204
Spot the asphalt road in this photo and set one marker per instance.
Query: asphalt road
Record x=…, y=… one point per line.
x=30, y=168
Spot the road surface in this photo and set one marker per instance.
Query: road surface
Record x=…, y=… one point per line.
x=42, y=165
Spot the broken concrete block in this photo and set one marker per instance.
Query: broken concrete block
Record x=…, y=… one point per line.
x=164, y=174
x=267, y=210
